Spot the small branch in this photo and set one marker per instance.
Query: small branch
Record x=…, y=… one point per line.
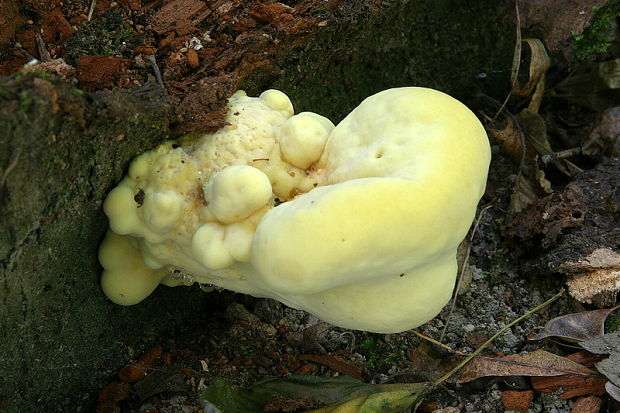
x=554, y=156
x=151, y=59
x=9, y=168
x=91, y=9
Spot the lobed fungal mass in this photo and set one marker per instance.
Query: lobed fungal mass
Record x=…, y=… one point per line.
x=357, y=224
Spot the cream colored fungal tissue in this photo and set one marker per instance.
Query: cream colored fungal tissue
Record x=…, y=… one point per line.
x=357, y=223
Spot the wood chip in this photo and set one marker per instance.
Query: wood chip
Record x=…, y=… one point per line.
x=336, y=364
x=179, y=15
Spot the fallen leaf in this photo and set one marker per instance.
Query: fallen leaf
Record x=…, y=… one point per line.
x=539, y=63
x=576, y=327
x=384, y=402
x=536, y=363
x=606, y=344
x=509, y=137
x=333, y=391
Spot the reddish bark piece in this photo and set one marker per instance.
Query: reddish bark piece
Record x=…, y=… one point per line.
x=270, y=13
x=55, y=28
x=585, y=358
x=572, y=385
x=336, y=364
x=517, y=400
x=100, y=71
x=114, y=392
x=180, y=16
x=591, y=404
x=192, y=58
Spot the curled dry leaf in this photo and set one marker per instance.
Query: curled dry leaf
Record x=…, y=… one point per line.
x=539, y=63
x=509, y=138
x=576, y=327
x=536, y=363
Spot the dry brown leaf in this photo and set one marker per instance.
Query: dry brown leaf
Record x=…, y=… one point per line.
x=536, y=363
x=509, y=138
x=539, y=63
x=576, y=327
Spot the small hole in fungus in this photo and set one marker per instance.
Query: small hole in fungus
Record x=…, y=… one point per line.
x=139, y=197
x=379, y=156
x=402, y=275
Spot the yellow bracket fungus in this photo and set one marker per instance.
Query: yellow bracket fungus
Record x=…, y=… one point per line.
x=357, y=224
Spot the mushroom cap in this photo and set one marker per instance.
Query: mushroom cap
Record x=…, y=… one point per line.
x=357, y=224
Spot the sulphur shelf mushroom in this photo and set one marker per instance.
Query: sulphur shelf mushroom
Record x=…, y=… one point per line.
x=357, y=224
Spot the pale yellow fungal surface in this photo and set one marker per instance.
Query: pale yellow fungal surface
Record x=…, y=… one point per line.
x=357, y=223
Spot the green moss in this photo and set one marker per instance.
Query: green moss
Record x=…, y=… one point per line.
x=105, y=36
x=597, y=37
x=379, y=355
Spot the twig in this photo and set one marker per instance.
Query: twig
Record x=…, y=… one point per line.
x=554, y=156
x=499, y=333
x=437, y=343
x=44, y=54
x=11, y=166
x=151, y=59
x=463, y=267
x=92, y=9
